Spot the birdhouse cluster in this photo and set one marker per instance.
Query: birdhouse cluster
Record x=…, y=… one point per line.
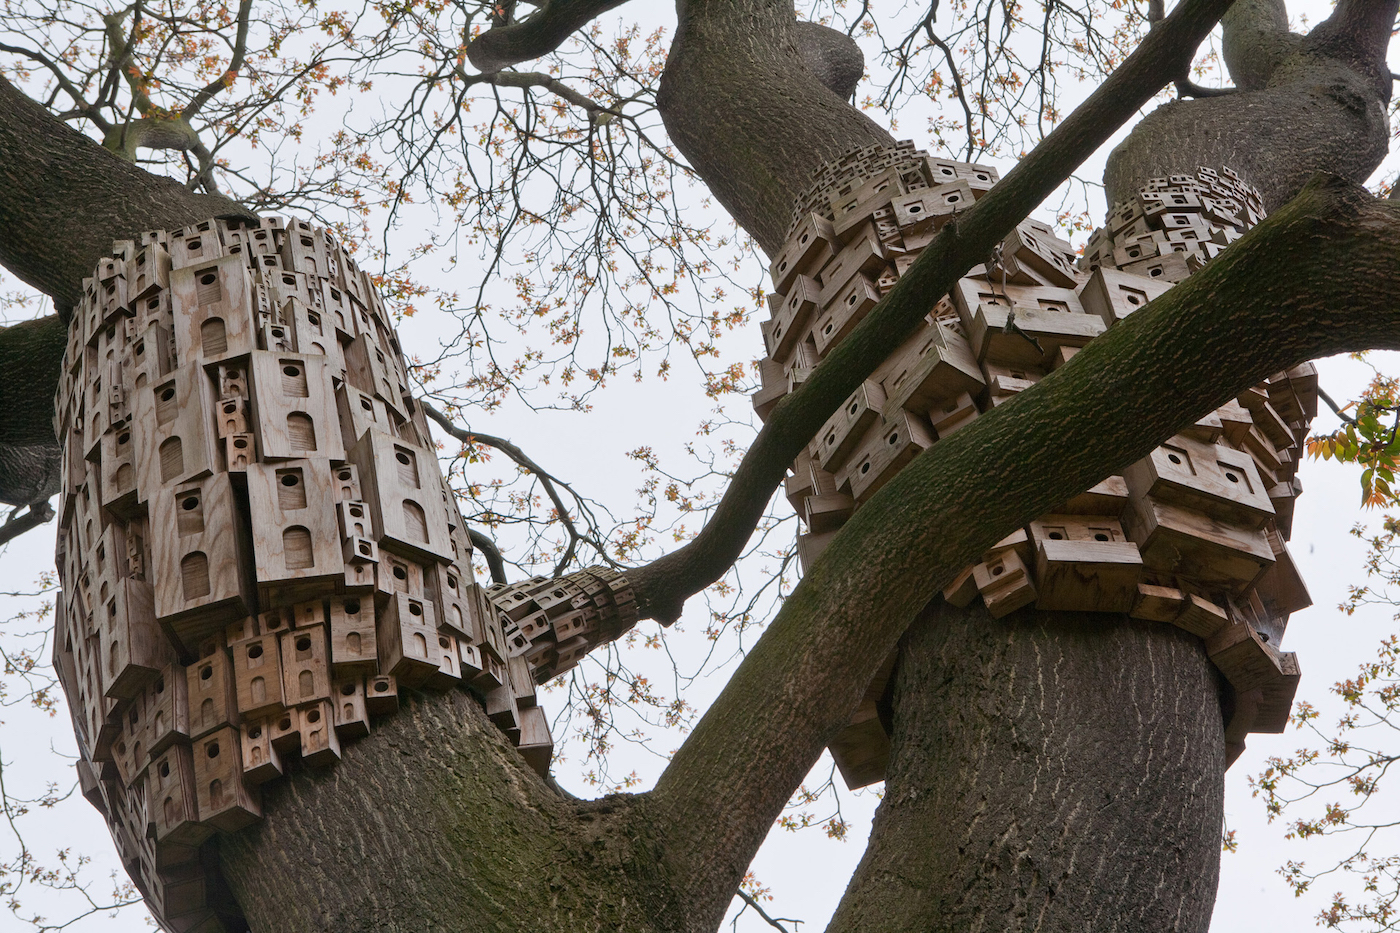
x=257, y=547
x=1192, y=535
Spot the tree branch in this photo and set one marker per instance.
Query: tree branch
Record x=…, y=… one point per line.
x=1358, y=33
x=741, y=103
x=235, y=64
x=1336, y=409
x=665, y=584
x=36, y=514
x=547, y=480
x=529, y=79
x=90, y=198
x=1318, y=277
x=1306, y=104
x=503, y=46
x=489, y=550
x=752, y=901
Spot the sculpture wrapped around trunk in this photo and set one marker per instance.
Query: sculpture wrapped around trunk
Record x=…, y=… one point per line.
x=258, y=549
x=1192, y=535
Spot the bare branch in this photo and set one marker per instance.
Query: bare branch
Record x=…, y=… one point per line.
x=38, y=513
x=547, y=480
x=503, y=46
x=489, y=550
x=752, y=902
x=529, y=79
x=1336, y=410
x=235, y=64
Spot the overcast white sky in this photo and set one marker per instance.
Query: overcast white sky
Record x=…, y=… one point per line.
x=806, y=872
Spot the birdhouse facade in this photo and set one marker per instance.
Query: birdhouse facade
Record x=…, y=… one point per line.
x=258, y=549
x=1194, y=535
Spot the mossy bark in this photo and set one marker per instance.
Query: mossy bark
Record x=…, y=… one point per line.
x=1081, y=761
x=434, y=823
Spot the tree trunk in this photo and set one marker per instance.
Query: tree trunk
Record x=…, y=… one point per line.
x=435, y=824
x=1049, y=771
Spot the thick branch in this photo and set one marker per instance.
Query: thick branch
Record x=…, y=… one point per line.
x=1307, y=104
x=831, y=56
x=503, y=46
x=235, y=64
x=741, y=104
x=1318, y=277
x=1358, y=33
x=664, y=585
x=31, y=355
x=64, y=199
x=489, y=550
x=1256, y=39
x=38, y=513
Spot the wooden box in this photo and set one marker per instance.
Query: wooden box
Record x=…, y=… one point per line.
x=294, y=413
x=381, y=694
x=843, y=311
x=305, y=667
x=933, y=367
x=225, y=802
x=213, y=700
x=133, y=649
x=898, y=441
x=792, y=315
x=320, y=746
x=844, y=430
x=404, y=501
x=261, y=761
x=927, y=210
x=1004, y=583
x=354, y=650
x=351, y=715
x=369, y=369
x=1084, y=564
x=1052, y=329
x=1208, y=477
x=174, y=430
x=801, y=250
x=536, y=745
x=172, y=798
x=1178, y=540
x=213, y=310
x=199, y=242
x=407, y=638
x=296, y=540
x=257, y=676
x=1113, y=294
x=200, y=558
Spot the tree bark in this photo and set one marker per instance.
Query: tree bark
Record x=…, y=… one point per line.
x=1325, y=114
x=434, y=823
x=1306, y=104
x=64, y=199
x=31, y=357
x=741, y=104
x=664, y=584
x=1313, y=279
x=1050, y=771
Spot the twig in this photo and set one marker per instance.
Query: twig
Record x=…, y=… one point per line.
x=1336, y=410
x=523, y=460
x=775, y=924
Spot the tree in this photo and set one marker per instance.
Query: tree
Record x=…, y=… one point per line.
x=747, y=95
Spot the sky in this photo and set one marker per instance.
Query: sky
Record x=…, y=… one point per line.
x=805, y=871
